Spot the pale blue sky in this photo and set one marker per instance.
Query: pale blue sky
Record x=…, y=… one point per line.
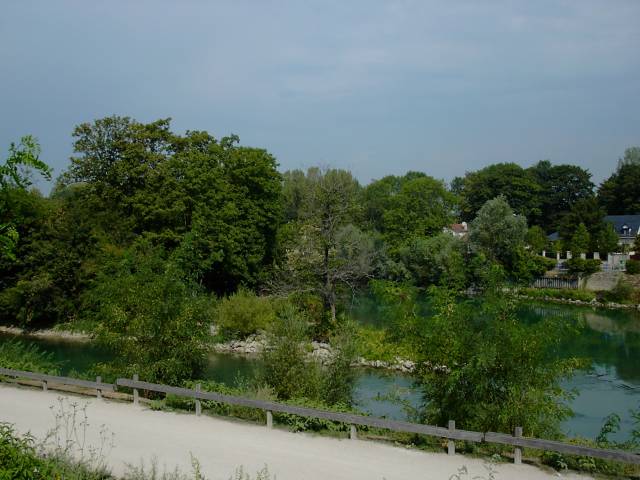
x=375, y=87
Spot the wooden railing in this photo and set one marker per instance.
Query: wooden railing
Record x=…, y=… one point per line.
x=450, y=433
x=555, y=282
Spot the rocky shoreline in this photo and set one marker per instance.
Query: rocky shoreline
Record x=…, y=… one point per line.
x=593, y=303
x=254, y=344
x=47, y=333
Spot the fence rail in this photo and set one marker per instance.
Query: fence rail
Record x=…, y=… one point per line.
x=450, y=433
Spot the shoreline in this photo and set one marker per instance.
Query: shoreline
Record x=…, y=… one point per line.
x=582, y=303
x=49, y=333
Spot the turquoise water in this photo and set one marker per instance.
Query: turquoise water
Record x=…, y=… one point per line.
x=610, y=339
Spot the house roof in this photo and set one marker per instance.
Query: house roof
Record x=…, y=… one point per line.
x=459, y=227
x=620, y=221
x=553, y=236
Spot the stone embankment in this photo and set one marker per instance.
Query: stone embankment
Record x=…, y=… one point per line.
x=320, y=351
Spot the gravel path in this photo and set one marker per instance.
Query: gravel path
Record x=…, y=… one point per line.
x=223, y=445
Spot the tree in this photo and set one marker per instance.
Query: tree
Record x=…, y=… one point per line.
x=214, y=204
x=620, y=193
x=422, y=207
x=327, y=251
x=536, y=239
x=607, y=240
x=154, y=320
x=517, y=185
x=438, y=260
x=482, y=367
x=497, y=231
x=585, y=211
x=15, y=173
x=561, y=186
x=313, y=265
x=581, y=240
x=377, y=196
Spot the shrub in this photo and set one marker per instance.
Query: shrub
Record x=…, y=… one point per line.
x=621, y=293
x=243, y=314
x=581, y=266
x=560, y=293
x=633, y=267
x=154, y=320
x=26, y=356
x=285, y=368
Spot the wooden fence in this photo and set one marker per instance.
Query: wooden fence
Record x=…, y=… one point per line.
x=450, y=433
x=555, y=282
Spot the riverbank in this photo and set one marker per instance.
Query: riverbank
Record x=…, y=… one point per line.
x=49, y=333
x=321, y=351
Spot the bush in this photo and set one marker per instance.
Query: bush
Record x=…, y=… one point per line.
x=560, y=294
x=633, y=267
x=581, y=266
x=19, y=355
x=285, y=368
x=243, y=314
x=621, y=293
x=156, y=322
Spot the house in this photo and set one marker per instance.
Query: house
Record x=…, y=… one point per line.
x=626, y=226
x=459, y=230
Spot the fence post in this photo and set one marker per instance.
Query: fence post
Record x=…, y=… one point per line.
x=269, y=419
x=198, y=404
x=136, y=397
x=451, y=445
x=353, y=432
x=517, y=454
x=44, y=385
x=98, y=389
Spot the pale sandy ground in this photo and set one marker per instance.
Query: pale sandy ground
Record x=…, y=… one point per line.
x=223, y=445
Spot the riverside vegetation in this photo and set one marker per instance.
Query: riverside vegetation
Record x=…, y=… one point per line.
x=150, y=237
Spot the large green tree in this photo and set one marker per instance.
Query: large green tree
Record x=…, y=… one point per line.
x=516, y=184
x=215, y=204
x=620, y=193
x=497, y=232
x=561, y=186
x=422, y=207
x=15, y=174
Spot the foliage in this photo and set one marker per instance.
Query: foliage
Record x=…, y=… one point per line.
x=289, y=373
x=633, y=267
x=244, y=313
x=583, y=266
x=581, y=240
x=536, y=239
x=435, y=260
x=15, y=175
x=497, y=232
x=381, y=344
x=606, y=240
x=620, y=193
x=517, y=185
x=422, y=207
x=585, y=211
x=154, y=320
x=489, y=372
x=561, y=187
x=19, y=355
x=377, y=196
x=285, y=369
x=621, y=293
x=527, y=266
x=559, y=294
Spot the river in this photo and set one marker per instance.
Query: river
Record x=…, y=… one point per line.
x=611, y=339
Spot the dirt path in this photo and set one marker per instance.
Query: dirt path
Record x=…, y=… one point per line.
x=222, y=445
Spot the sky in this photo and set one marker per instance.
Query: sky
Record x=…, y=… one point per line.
x=377, y=87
